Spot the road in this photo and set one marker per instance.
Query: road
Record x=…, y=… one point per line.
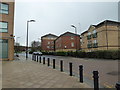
x=108, y=69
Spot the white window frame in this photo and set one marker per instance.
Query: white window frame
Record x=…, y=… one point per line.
x=72, y=44
x=72, y=38
x=94, y=31
x=89, y=33
x=48, y=42
x=4, y=10
x=2, y=28
x=48, y=47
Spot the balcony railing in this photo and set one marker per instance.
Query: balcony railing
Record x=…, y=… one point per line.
x=89, y=45
x=89, y=37
x=94, y=35
x=95, y=45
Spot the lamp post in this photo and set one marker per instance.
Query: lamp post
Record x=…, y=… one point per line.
x=76, y=35
x=27, y=37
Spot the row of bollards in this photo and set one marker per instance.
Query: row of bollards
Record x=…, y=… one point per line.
x=95, y=73
x=35, y=58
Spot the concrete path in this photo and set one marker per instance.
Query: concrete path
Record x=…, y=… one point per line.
x=30, y=74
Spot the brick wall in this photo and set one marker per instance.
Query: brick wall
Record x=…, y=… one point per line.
x=47, y=44
x=9, y=35
x=67, y=43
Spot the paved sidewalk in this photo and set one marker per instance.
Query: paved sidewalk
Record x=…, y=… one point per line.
x=30, y=74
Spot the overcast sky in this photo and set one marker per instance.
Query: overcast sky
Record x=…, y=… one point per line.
x=56, y=17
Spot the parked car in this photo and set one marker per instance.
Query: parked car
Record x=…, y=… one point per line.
x=37, y=53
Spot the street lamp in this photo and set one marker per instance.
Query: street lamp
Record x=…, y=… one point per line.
x=76, y=35
x=27, y=38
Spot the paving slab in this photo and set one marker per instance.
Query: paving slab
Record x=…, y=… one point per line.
x=24, y=73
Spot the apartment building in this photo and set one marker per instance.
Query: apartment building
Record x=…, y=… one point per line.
x=47, y=42
x=6, y=30
x=103, y=36
x=67, y=42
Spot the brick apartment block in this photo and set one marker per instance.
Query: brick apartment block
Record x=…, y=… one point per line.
x=47, y=42
x=104, y=36
x=6, y=30
x=67, y=42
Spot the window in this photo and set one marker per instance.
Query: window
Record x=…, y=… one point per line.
x=4, y=8
x=3, y=48
x=48, y=46
x=94, y=31
x=48, y=42
x=65, y=47
x=89, y=36
x=89, y=45
x=89, y=33
x=95, y=44
x=3, y=26
x=72, y=44
x=94, y=35
x=52, y=42
x=95, y=41
x=72, y=38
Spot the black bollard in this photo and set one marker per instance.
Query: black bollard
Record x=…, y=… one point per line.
x=48, y=61
x=43, y=60
x=117, y=86
x=40, y=59
x=96, y=81
x=81, y=73
x=34, y=57
x=53, y=63
x=61, y=66
x=37, y=58
x=70, y=68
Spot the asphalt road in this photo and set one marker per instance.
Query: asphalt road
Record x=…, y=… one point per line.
x=108, y=69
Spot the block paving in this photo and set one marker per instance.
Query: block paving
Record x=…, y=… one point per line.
x=24, y=73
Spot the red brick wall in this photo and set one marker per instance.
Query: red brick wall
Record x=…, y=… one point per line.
x=63, y=41
x=44, y=44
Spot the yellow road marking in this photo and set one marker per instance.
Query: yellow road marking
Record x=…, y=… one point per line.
x=107, y=86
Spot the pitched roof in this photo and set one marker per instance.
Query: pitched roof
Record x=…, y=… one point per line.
x=84, y=32
x=108, y=22
x=49, y=35
x=67, y=34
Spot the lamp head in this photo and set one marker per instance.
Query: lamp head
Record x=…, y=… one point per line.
x=73, y=26
x=32, y=21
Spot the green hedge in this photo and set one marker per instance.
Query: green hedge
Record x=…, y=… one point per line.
x=103, y=54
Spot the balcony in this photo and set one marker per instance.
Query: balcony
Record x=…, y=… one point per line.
x=89, y=37
x=94, y=35
x=89, y=45
x=95, y=45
